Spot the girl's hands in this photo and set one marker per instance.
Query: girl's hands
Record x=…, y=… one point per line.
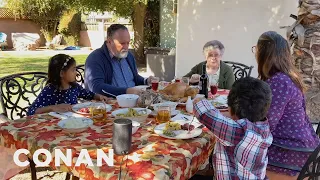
x=99, y=97
x=61, y=108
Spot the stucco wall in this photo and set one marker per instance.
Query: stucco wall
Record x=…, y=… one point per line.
x=236, y=23
x=9, y=26
x=167, y=24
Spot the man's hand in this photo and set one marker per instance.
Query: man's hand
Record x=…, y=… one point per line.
x=196, y=100
x=100, y=97
x=150, y=78
x=134, y=90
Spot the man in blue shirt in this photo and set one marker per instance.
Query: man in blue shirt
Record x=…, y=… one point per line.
x=112, y=68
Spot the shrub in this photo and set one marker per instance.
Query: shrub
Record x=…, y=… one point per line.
x=70, y=26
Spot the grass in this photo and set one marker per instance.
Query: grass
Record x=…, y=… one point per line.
x=12, y=64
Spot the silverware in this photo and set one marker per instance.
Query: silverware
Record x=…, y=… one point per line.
x=190, y=124
x=109, y=93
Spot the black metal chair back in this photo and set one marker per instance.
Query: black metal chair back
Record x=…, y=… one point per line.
x=239, y=70
x=18, y=91
x=318, y=129
x=80, y=75
x=311, y=169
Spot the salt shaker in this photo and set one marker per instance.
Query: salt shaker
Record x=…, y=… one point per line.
x=189, y=105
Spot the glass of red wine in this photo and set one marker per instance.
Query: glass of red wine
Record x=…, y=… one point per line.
x=155, y=83
x=213, y=89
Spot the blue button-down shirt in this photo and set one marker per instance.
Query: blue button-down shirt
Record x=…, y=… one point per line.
x=122, y=73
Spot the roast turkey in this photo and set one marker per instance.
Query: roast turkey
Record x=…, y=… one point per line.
x=178, y=92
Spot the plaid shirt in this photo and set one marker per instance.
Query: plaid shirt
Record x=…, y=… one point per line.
x=241, y=148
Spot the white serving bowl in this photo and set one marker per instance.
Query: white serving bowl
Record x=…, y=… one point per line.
x=75, y=124
x=127, y=100
x=172, y=105
x=139, y=119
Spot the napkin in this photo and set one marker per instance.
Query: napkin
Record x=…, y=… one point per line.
x=64, y=115
x=183, y=117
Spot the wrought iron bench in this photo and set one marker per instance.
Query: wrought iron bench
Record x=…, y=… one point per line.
x=239, y=70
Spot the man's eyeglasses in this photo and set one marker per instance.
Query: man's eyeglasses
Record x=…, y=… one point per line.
x=254, y=49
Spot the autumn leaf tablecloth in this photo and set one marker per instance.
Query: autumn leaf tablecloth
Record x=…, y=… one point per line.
x=151, y=157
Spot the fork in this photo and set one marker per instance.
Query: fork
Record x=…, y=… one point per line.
x=190, y=124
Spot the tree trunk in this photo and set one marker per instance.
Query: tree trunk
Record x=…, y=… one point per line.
x=304, y=34
x=138, y=16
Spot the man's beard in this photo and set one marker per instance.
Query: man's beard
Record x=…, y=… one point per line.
x=122, y=54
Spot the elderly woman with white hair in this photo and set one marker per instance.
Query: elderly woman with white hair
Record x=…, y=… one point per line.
x=218, y=72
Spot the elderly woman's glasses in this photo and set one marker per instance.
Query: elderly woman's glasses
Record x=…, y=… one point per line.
x=254, y=49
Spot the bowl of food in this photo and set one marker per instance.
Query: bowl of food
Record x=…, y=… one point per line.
x=75, y=124
x=134, y=114
x=127, y=100
x=172, y=105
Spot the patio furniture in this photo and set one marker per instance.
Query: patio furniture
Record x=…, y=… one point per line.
x=311, y=169
x=25, y=41
x=56, y=41
x=240, y=70
x=3, y=41
x=18, y=91
x=318, y=129
x=80, y=75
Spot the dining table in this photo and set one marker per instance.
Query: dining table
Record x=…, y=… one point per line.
x=151, y=156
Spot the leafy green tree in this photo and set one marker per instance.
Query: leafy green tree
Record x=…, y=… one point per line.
x=46, y=13
x=136, y=10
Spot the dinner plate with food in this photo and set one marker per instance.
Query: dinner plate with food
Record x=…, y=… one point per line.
x=134, y=114
x=87, y=107
x=75, y=124
x=177, y=130
x=220, y=102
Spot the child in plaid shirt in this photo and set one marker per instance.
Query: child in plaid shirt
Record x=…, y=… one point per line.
x=243, y=141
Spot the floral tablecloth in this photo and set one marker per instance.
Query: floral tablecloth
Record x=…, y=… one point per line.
x=151, y=157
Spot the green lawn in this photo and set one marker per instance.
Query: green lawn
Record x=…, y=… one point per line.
x=11, y=64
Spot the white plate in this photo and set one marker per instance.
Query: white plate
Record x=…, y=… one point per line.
x=173, y=113
x=78, y=124
x=222, y=100
x=180, y=134
x=77, y=107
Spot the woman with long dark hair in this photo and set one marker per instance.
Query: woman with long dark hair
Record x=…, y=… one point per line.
x=293, y=136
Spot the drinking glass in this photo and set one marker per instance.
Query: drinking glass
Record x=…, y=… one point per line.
x=98, y=111
x=155, y=83
x=163, y=114
x=177, y=79
x=213, y=89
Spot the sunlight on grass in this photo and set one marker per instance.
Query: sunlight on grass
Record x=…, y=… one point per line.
x=13, y=64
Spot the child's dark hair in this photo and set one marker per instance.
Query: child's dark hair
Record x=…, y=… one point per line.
x=58, y=63
x=250, y=98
